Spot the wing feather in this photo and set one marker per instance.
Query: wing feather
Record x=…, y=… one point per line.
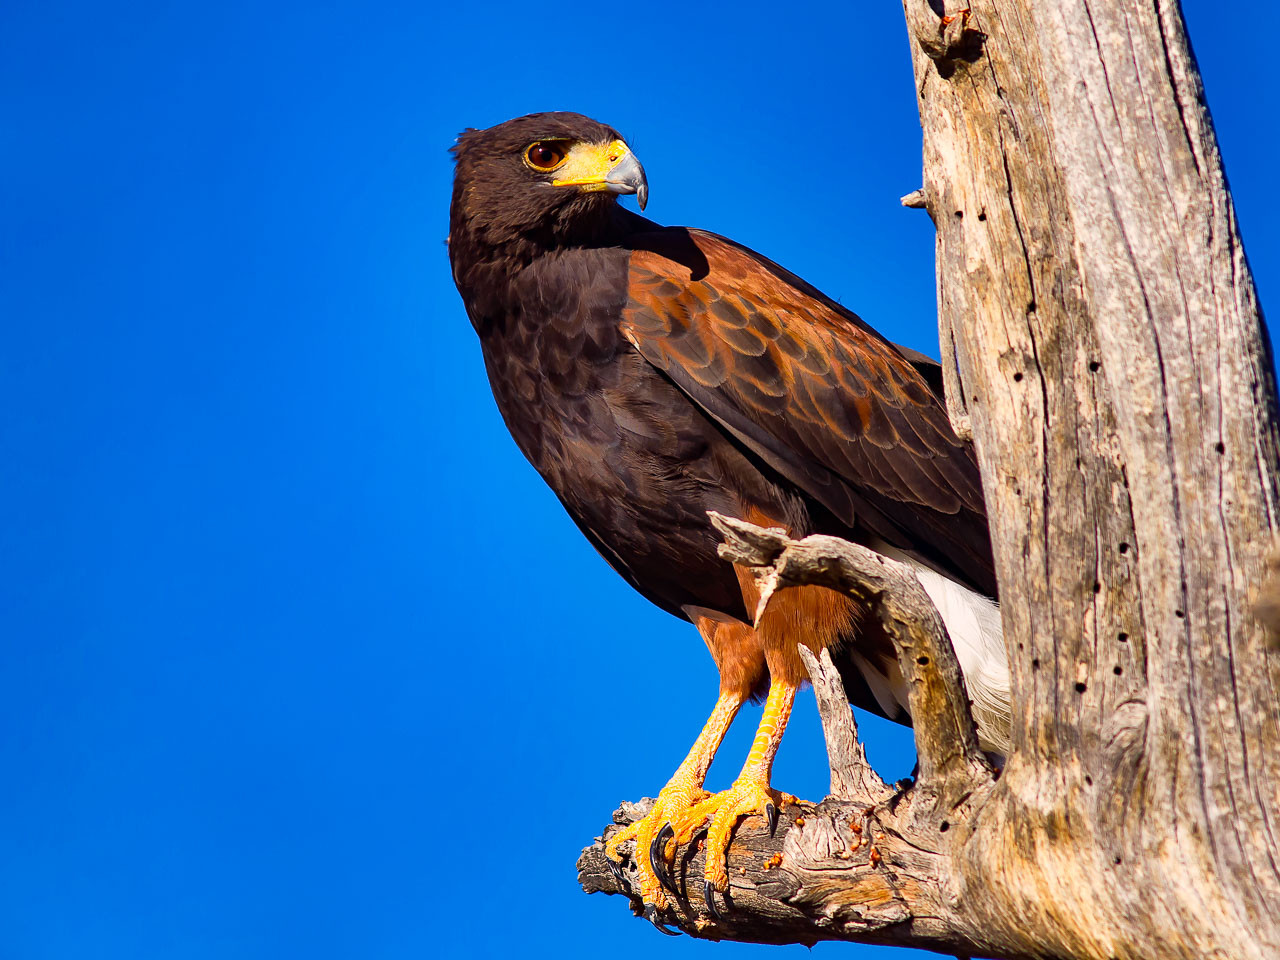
x=851, y=419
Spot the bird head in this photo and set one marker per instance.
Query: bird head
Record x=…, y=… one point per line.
x=553, y=175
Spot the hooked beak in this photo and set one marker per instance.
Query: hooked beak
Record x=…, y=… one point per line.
x=610, y=167
x=628, y=177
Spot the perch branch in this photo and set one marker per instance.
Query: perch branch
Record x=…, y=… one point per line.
x=837, y=870
x=870, y=864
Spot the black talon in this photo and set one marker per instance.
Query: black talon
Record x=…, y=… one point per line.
x=651, y=914
x=658, y=861
x=709, y=893
x=617, y=872
x=771, y=814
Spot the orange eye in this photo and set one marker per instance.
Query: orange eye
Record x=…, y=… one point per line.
x=545, y=155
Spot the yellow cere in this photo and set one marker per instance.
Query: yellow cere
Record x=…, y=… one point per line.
x=589, y=163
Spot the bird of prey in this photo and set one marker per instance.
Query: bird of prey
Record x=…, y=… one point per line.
x=652, y=374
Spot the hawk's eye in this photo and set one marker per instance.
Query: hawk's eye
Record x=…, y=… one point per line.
x=545, y=155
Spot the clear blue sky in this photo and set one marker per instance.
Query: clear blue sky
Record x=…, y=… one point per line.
x=246, y=708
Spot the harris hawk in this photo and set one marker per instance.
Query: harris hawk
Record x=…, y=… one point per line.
x=652, y=374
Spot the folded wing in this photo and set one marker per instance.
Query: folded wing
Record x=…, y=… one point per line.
x=813, y=392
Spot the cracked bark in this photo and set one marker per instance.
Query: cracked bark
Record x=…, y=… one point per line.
x=1103, y=345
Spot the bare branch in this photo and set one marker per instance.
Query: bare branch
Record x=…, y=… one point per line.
x=869, y=859
x=833, y=871
x=851, y=775
x=916, y=200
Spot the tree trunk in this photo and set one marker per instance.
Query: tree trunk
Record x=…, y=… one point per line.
x=1103, y=346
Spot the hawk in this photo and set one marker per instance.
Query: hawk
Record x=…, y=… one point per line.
x=652, y=374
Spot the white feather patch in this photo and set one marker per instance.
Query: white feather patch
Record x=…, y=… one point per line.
x=973, y=623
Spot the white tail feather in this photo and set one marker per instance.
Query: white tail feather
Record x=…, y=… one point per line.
x=973, y=623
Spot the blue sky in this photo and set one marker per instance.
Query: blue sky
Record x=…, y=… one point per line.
x=300, y=657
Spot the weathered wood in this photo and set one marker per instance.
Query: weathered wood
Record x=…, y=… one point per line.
x=1113, y=366
x=946, y=740
x=1267, y=607
x=852, y=777
x=870, y=863
x=916, y=200
x=834, y=871
x=1103, y=346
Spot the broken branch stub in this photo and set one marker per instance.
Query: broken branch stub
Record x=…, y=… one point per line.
x=852, y=777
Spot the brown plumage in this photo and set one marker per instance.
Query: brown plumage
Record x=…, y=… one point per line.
x=653, y=374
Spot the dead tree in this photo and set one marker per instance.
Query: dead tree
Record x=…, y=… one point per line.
x=1103, y=347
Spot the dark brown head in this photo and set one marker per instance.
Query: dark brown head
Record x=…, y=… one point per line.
x=545, y=179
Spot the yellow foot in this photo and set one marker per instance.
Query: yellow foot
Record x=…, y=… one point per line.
x=652, y=834
x=747, y=796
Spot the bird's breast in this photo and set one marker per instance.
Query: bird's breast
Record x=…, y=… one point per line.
x=634, y=462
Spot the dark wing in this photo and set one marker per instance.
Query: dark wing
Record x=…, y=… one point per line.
x=813, y=391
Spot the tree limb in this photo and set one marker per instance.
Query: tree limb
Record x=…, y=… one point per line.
x=868, y=860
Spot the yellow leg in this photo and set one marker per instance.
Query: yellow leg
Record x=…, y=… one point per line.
x=749, y=794
x=682, y=791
